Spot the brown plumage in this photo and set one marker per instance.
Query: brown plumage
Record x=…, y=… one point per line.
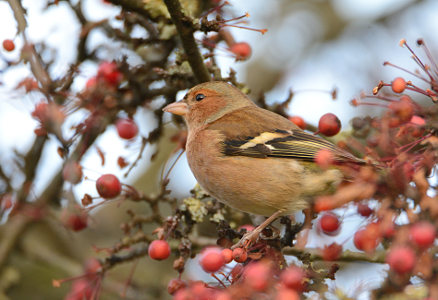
x=250, y=158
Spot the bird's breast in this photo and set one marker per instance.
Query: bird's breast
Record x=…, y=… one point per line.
x=255, y=185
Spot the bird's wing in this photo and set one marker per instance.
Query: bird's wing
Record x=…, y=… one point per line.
x=264, y=134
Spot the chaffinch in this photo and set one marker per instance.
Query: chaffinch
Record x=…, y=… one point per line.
x=250, y=158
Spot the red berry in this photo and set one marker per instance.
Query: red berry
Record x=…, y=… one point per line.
x=401, y=259
x=287, y=294
x=74, y=221
x=242, y=50
x=175, y=285
x=293, y=278
x=80, y=289
x=108, y=186
x=91, y=83
x=387, y=230
x=228, y=255
x=329, y=224
x=8, y=45
x=159, y=250
x=324, y=158
x=368, y=238
x=257, y=276
x=364, y=210
x=240, y=255
x=323, y=203
x=126, y=128
x=109, y=72
x=331, y=252
x=92, y=266
x=183, y=294
x=398, y=85
x=329, y=125
x=199, y=290
x=72, y=172
x=401, y=111
x=423, y=234
x=212, y=260
x=222, y=295
x=298, y=121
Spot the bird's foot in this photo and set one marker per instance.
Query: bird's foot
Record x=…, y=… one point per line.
x=248, y=239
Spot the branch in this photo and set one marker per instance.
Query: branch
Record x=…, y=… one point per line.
x=185, y=30
x=10, y=234
x=346, y=256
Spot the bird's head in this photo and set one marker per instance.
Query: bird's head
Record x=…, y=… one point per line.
x=207, y=102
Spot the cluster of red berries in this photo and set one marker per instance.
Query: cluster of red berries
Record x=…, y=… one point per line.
x=252, y=277
x=328, y=125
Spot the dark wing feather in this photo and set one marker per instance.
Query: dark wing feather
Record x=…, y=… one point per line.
x=272, y=136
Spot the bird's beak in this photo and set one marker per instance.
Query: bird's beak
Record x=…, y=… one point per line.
x=178, y=108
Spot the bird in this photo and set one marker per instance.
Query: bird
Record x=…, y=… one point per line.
x=250, y=158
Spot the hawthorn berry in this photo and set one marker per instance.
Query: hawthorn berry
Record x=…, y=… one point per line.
x=401, y=111
x=108, y=186
x=364, y=210
x=298, y=121
x=401, y=259
x=323, y=203
x=212, y=260
x=331, y=252
x=159, y=250
x=228, y=255
x=257, y=276
x=368, y=238
x=175, y=285
x=242, y=50
x=108, y=71
x=93, y=266
x=72, y=172
x=293, y=278
x=423, y=234
x=126, y=128
x=398, y=85
x=91, y=83
x=80, y=289
x=240, y=255
x=8, y=45
x=287, y=294
x=324, y=158
x=329, y=224
x=75, y=221
x=329, y=125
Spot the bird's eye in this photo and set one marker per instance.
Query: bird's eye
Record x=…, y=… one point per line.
x=199, y=97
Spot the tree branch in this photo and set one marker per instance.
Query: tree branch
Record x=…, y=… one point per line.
x=185, y=29
x=346, y=256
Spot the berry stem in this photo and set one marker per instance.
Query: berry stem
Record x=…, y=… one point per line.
x=217, y=278
x=387, y=63
x=418, y=61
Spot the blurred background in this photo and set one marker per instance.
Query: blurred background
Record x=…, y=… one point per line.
x=310, y=48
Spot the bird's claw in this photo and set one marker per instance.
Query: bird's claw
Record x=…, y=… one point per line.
x=247, y=240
